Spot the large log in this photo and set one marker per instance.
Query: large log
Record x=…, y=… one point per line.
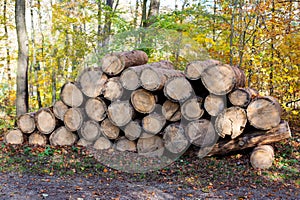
x=59, y=109
x=215, y=104
x=222, y=79
x=242, y=96
x=133, y=130
x=130, y=77
x=115, y=63
x=153, y=123
x=26, y=123
x=171, y=111
x=120, y=113
x=175, y=139
x=262, y=157
x=109, y=130
x=92, y=81
x=192, y=109
x=194, y=69
x=73, y=119
x=123, y=144
x=90, y=131
x=62, y=137
x=143, y=101
x=45, y=121
x=264, y=113
x=249, y=139
x=71, y=95
x=102, y=143
x=113, y=89
x=151, y=147
x=178, y=89
x=14, y=137
x=37, y=138
x=95, y=109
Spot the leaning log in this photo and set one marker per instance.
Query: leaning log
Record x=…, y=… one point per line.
x=26, y=123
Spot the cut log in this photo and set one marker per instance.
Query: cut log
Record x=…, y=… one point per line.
x=92, y=82
x=232, y=121
x=45, y=121
x=150, y=147
x=90, y=131
x=171, y=111
x=201, y=133
x=83, y=142
x=102, y=143
x=249, y=139
x=62, y=137
x=146, y=135
x=130, y=77
x=153, y=123
x=143, y=101
x=95, y=109
x=26, y=123
x=133, y=130
x=194, y=69
x=222, y=79
x=153, y=78
x=214, y=104
x=192, y=109
x=109, y=130
x=123, y=144
x=14, y=137
x=71, y=95
x=264, y=113
x=242, y=96
x=262, y=157
x=37, y=138
x=59, y=109
x=120, y=113
x=73, y=119
x=175, y=139
x=113, y=89
x=178, y=89
x=115, y=63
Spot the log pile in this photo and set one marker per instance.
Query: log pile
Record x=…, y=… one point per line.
x=152, y=108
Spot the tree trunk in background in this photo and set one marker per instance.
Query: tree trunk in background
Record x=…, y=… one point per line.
x=144, y=13
x=153, y=12
x=22, y=70
x=107, y=23
x=99, y=15
x=7, y=42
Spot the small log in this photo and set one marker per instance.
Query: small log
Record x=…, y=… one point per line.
x=175, y=139
x=14, y=137
x=151, y=147
x=232, y=121
x=71, y=95
x=109, y=130
x=201, y=133
x=113, y=89
x=153, y=123
x=62, y=137
x=123, y=144
x=102, y=143
x=26, y=123
x=133, y=130
x=242, y=96
x=194, y=69
x=171, y=111
x=90, y=131
x=143, y=101
x=214, y=104
x=222, y=79
x=115, y=63
x=249, y=139
x=178, y=89
x=92, y=81
x=59, y=109
x=264, y=113
x=192, y=109
x=45, y=120
x=130, y=77
x=262, y=157
x=95, y=109
x=120, y=113
x=73, y=119
x=37, y=138
x=83, y=142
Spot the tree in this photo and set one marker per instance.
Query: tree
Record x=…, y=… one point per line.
x=22, y=69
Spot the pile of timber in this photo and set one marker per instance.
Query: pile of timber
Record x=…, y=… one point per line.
x=152, y=108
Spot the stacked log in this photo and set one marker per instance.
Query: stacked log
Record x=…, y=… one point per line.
x=154, y=110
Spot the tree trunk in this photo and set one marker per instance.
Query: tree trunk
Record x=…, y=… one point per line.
x=37, y=138
x=153, y=12
x=45, y=121
x=171, y=111
x=6, y=35
x=262, y=157
x=120, y=113
x=178, y=89
x=175, y=139
x=62, y=137
x=26, y=123
x=90, y=131
x=194, y=69
x=14, y=137
x=123, y=144
x=59, y=109
x=192, y=109
x=143, y=101
x=133, y=130
x=150, y=147
x=73, y=119
x=242, y=96
x=264, y=113
x=109, y=130
x=71, y=95
x=102, y=143
x=215, y=104
x=153, y=123
x=95, y=109
x=113, y=89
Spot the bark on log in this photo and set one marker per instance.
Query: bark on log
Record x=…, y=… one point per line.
x=123, y=144
x=133, y=130
x=153, y=123
x=102, y=143
x=62, y=137
x=262, y=157
x=249, y=139
x=264, y=113
x=215, y=104
x=194, y=69
x=113, y=89
x=130, y=77
x=109, y=130
x=37, y=138
x=171, y=111
x=232, y=121
x=150, y=147
x=59, y=109
x=115, y=63
x=192, y=109
x=26, y=123
x=143, y=101
x=14, y=137
x=222, y=79
x=45, y=121
x=175, y=139
x=120, y=113
x=73, y=119
x=242, y=96
x=178, y=89
x=95, y=109
x=71, y=95
x=90, y=131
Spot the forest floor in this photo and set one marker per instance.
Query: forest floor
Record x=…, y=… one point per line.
x=28, y=172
